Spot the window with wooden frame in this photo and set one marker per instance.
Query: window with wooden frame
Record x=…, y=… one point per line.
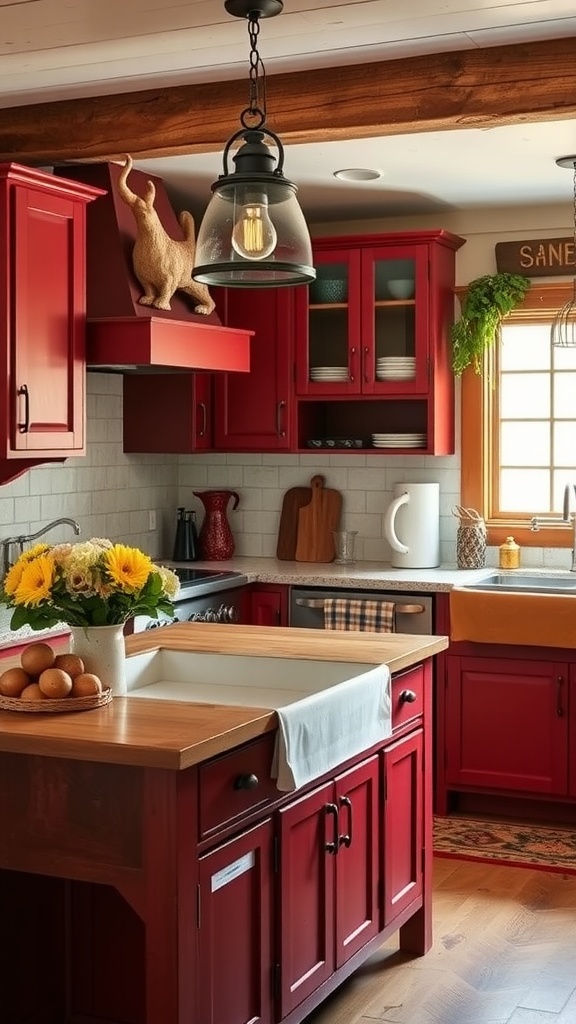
x=519, y=425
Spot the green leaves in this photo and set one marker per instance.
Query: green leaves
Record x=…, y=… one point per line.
x=487, y=301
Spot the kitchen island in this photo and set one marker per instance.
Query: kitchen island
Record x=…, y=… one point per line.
x=156, y=875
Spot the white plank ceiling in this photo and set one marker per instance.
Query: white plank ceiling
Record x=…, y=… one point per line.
x=61, y=49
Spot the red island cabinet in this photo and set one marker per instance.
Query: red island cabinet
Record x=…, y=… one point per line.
x=42, y=327
x=206, y=895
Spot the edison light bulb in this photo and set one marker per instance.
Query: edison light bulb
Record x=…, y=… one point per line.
x=254, y=236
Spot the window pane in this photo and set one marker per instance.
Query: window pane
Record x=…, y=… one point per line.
x=565, y=444
x=564, y=395
x=525, y=347
x=525, y=395
x=524, y=490
x=563, y=357
x=525, y=444
x=560, y=481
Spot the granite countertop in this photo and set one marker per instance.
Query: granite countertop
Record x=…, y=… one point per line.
x=176, y=734
x=359, y=575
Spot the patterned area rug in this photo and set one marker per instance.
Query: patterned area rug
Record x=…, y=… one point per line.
x=515, y=843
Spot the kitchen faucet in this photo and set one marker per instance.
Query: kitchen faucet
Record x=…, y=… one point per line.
x=568, y=519
x=18, y=542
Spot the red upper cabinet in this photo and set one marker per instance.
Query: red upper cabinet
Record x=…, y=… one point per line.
x=182, y=423
x=42, y=330
x=253, y=411
x=375, y=325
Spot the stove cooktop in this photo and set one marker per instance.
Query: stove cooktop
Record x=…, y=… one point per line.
x=199, y=582
x=195, y=575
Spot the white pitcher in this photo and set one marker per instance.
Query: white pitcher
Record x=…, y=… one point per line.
x=412, y=526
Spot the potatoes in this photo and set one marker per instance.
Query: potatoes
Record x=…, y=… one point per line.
x=44, y=675
x=55, y=683
x=36, y=658
x=13, y=681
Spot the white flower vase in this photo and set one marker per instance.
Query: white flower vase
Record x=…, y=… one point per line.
x=103, y=652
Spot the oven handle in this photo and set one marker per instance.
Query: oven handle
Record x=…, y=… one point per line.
x=402, y=609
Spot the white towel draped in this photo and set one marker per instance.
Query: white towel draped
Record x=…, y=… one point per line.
x=323, y=730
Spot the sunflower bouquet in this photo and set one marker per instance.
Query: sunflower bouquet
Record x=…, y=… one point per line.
x=95, y=583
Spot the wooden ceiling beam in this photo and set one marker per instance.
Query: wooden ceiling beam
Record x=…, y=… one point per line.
x=479, y=88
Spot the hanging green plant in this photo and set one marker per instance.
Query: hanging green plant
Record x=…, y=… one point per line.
x=488, y=299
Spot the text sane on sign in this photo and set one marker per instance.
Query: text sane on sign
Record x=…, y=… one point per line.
x=537, y=257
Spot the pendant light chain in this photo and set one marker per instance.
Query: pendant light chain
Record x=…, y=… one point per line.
x=256, y=109
x=563, y=331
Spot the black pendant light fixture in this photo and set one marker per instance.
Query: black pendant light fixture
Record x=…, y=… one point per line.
x=253, y=234
x=563, y=331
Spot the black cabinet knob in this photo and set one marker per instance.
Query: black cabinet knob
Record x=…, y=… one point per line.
x=407, y=697
x=246, y=782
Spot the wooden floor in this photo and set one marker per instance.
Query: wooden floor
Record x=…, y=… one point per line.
x=504, y=953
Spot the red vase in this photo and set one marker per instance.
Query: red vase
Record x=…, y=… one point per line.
x=216, y=538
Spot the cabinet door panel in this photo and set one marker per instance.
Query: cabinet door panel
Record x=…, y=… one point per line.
x=306, y=896
x=234, y=938
x=48, y=338
x=252, y=410
x=572, y=734
x=507, y=724
x=357, y=918
x=403, y=824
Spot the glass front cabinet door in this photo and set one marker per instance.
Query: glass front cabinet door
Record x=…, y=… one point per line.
x=375, y=325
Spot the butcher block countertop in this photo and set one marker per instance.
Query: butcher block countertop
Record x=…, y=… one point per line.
x=178, y=734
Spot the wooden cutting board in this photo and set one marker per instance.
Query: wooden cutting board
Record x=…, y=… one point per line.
x=316, y=522
x=288, y=529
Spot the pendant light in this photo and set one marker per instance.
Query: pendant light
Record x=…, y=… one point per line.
x=563, y=331
x=253, y=234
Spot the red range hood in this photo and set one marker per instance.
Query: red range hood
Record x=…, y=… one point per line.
x=153, y=345
x=122, y=335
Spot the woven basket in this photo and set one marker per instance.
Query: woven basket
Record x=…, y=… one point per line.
x=471, y=545
x=58, y=706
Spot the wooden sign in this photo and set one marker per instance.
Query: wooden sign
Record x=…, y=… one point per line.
x=537, y=257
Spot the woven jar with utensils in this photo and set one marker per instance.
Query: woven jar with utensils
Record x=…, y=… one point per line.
x=470, y=538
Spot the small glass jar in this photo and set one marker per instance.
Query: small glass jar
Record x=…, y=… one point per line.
x=509, y=553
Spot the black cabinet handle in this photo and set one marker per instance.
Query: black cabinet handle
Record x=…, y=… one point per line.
x=559, y=706
x=407, y=697
x=24, y=427
x=280, y=418
x=346, y=839
x=332, y=847
x=202, y=408
x=246, y=782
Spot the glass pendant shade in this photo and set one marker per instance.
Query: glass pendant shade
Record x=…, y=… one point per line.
x=253, y=234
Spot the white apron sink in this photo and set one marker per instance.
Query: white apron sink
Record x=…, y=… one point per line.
x=232, y=679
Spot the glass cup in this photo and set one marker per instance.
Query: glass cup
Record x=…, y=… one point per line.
x=344, y=545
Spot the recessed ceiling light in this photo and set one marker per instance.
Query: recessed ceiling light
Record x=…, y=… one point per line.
x=358, y=174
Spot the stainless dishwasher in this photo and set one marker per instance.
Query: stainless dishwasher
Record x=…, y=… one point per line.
x=413, y=613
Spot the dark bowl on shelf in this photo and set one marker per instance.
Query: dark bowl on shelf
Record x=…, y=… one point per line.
x=329, y=291
x=335, y=442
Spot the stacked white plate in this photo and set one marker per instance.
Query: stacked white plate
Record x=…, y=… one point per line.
x=408, y=440
x=329, y=373
x=396, y=368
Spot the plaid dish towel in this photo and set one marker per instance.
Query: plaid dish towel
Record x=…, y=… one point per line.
x=359, y=614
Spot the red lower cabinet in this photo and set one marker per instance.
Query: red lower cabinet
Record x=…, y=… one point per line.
x=507, y=725
x=235, y=935
x=403, y=824
x=328, y=880
x=269, y=605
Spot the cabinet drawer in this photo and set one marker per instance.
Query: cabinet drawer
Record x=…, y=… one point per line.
x=236, y=784
x=407, y=696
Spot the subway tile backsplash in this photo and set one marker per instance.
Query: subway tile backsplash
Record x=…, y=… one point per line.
x=111, y=494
